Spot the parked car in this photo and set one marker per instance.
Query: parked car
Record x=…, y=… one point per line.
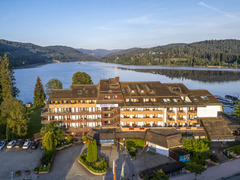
x=35, y=145
x=26, y=144
x=41, y=146
x=2, y=144
x=19, y=144
x=11, y=144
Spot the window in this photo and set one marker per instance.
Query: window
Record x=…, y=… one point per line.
x=195, y=99
x=176, y=100
x=142, y=91
x=79, y=92
x=127, y=100
x=204, y=97
x=145, y=100
x=110, y=91
x=153, y=99
x=132, y=91
x=167, y=100
x=86, y=91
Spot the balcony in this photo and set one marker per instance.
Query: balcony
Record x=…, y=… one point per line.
x=70, y=113
x=192, y=113
x=170, y=120
x=142, y=112
x=182, y=113
x=146, y=119
x=192, y=120
x=171, y=113
x=181, y=120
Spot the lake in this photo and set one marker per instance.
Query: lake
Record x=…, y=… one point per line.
x=217, y=81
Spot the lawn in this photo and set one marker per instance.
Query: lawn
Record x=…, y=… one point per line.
x=34, y=125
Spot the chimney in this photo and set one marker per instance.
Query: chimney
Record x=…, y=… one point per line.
x=117, y=79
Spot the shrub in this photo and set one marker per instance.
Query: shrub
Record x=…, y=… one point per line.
x=69, y=139
x=84, y=138
x=36, y=169
x=214, y=158
x=18, y=172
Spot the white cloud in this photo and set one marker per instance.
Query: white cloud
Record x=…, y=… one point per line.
x=216, y=9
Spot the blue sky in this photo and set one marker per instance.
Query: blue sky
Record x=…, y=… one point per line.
x=118, y=24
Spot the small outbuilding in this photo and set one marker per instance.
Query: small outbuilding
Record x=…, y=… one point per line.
x=161, y=140
x=179, y=154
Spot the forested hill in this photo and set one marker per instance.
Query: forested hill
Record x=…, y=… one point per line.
x=27, y=53
x=205, y=53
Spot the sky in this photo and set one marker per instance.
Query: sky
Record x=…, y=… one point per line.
x=118, y=24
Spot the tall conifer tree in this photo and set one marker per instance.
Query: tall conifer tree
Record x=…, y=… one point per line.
x=39, y=95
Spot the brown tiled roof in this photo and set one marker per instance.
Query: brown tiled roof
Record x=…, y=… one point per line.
x=77, y=92
x=217, y=128
x=196, y=94
x=168, y=138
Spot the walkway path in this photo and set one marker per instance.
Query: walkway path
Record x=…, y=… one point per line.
x=216, y=172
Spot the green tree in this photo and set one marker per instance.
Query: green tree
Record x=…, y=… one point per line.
x=60, y=134
x=39, y=95
x=194, y=145
x=92, y=151
x=49, y=142
x=53, y=84
x=236, y=110
x=13, y=115
x=47, y=128
x=81, y=78
x=195, y=168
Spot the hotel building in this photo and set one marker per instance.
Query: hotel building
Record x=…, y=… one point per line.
x=132, y=106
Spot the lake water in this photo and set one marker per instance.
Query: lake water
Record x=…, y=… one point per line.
x=220, y=81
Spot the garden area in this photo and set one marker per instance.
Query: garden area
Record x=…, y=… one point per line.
x=232, y=152
x=133, y=144
x=199, y=154
x=92, y=161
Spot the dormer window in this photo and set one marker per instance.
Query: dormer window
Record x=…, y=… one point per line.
x=79, y=92
x=195, y=99
x=110, y=91
x=86, y=91
x=204, y=97
x=176, y=100
x=132, y=91
x=142, y=91
x=167, y=100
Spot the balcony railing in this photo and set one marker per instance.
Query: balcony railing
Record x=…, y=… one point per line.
x=181, y=113
x=171, y=113
x=193, y=113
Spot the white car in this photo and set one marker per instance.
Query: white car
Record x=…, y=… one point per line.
x=2, y=144
x=26, y=144
x=11, y=144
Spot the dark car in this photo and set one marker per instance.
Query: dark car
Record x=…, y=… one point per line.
x=35, y=145
x=19, y=144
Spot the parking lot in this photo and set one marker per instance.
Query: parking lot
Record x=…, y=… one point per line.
x=14, y=159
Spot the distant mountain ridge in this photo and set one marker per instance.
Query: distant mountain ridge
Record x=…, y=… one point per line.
x=27, y=53
x=225, y=53
x=204, y=53
x=98, y=53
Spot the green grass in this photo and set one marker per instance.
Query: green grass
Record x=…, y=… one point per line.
x=235, y=149
x=137, y=142
x=34, y=125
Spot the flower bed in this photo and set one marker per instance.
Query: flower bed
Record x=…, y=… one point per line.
x=46, y=162
x=234, y=149
x=98, y=167
x=62, y=146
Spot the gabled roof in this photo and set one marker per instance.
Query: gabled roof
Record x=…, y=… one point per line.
x=168, y=138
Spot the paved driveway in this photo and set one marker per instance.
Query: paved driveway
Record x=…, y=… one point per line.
x=13, y=160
